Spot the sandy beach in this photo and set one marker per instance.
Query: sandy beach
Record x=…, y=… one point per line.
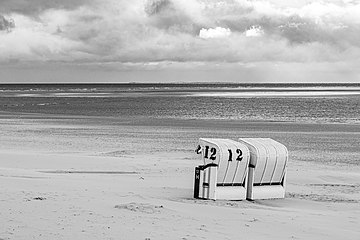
x=75, y=177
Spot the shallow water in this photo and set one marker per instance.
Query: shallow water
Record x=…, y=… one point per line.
x=289, y=103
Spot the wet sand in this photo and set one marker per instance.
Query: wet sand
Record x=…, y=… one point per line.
x=75, y=177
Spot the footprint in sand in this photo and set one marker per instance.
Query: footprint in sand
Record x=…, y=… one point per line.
x=141, y=207
x=342, y=188
x=321, y=197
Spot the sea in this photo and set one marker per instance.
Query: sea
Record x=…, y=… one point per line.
x=307, y=103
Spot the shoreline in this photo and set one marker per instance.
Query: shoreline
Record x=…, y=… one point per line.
x=138, y=119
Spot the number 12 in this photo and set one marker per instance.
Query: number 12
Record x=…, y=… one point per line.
x=213, y=153
x=239, y=156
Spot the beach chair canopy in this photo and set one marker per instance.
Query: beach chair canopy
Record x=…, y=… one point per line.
x=231, y=157
x=268, y=158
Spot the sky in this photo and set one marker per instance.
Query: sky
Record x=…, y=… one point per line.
x=238, y=41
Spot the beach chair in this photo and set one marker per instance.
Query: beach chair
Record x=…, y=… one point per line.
x=267, y=168
x=224, y=173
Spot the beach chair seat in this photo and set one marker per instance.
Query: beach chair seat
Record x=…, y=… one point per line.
x=267, y=168
x=223, y=174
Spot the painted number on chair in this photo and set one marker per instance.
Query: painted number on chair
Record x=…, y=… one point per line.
x=239, y=155
x=212, y=153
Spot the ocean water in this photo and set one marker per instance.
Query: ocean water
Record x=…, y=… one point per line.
x=311, y=103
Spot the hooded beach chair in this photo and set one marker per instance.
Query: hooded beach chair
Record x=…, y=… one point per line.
x=223, y=174
x=267, y=168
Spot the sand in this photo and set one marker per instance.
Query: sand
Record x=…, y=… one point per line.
x=67, y=177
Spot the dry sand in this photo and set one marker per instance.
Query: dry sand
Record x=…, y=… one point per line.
x=105, y=178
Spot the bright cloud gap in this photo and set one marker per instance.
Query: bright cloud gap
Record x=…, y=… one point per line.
x=217, y=32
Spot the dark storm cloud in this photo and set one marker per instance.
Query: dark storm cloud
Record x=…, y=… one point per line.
x=153, y=7
x=33, y=7
x=166, y=14
x=6, y=24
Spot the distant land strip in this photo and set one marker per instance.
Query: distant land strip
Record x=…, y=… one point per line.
x=87, y=172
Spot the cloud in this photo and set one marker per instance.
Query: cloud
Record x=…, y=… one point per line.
x=31, y=40
x=153, y=7
x=217, y=32
x=254, y=31
x=35, y=7
x=174, y=30
x=6, y=24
